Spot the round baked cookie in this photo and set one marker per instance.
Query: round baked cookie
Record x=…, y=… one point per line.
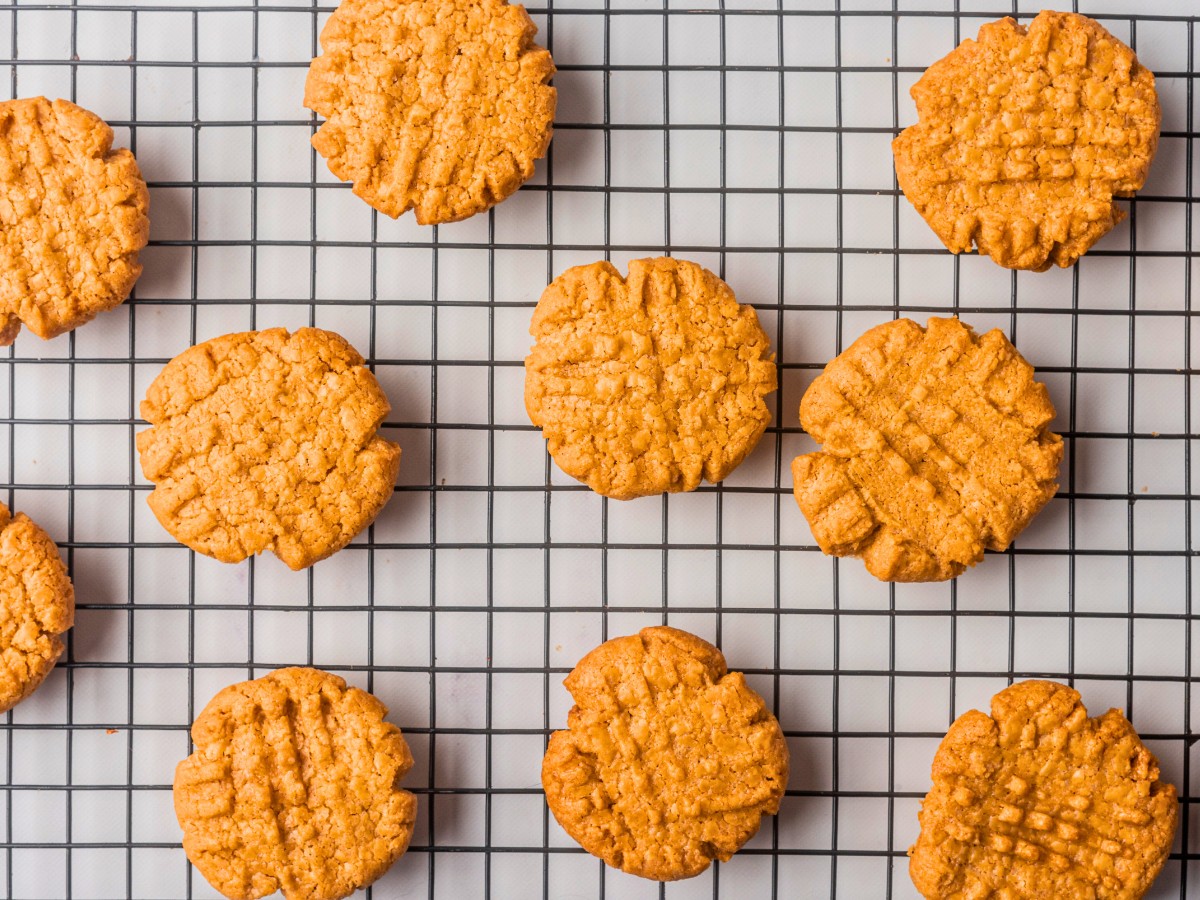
x=441, y=106
x=72, y=218
x=1038, y=801
x=668, y=762
x=294, y=787
x=935, y=445
x=265, y=440
x=648, y=383
x=1025, y=136
x=38, y=605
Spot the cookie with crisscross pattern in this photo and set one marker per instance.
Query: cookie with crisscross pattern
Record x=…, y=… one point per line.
x=1037, y=801
x=265, y=440
x=37, y=606
x=935, y=445
x=73, y=218
x=649, y=383
x=441, y=106
x=294, y=786
x=1025, y=136
x=669, y=761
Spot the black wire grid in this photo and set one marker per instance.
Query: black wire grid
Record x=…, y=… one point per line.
x=489, y=574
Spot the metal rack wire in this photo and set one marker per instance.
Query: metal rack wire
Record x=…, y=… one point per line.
x=490, y=574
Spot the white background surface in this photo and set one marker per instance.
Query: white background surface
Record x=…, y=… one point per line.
x=464, y=607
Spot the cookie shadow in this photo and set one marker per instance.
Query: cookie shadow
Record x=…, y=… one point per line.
x=99, y=576
x=408, y=391
x=578, y=153
x=166, y=270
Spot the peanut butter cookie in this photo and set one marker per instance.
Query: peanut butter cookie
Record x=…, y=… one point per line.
x=1037, y=801
x=438, y=105
x=294, y=787
x=266, y=440
x=935, y=445
x=38, y=605
x=668, y=762
x=650, y=383
x=72, y=218
x=1025, y=136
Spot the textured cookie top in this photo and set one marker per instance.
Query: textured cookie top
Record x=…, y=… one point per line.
x=1024, y=137
x=650, y=383
x=1040, y=801
x=267, y=441
x=668, y=762
x=38, y=606
x=935, y=445
x=437, y=105
x=72, y=218
x=294, y=786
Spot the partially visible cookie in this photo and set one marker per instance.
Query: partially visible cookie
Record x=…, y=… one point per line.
x=1025, y=136
x=1039, y=801
x=935, y=445
x=441, y=106
x=668, y=762
x=72, y=218
x=38, y=604
x=294, y=787
x=266, y=440
x=647, y=384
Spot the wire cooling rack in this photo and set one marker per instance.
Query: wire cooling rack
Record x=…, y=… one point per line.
x=752, y=138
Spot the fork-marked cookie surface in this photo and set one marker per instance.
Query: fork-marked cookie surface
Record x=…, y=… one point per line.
x=38, y=604
x=73, y=218
x=265, y=440
x=669, y=761
x=649, y=383
x=935, y=446
x=1025, y=136
x=294, y=786
x=441, y=106
x=1037, y=800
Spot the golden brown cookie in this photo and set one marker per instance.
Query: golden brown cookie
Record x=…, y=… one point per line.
x=266, y=440
x=1025, y=136
x=1039, y=801
x=294, y=787
x=438, y=105
x=668, y=761
x=648, y=383
x=935, y=445
x=38, y=604
x=72, y=218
